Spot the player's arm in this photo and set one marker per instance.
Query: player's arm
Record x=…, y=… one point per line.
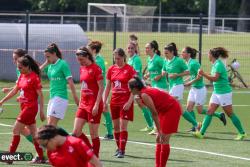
x=128, y=104
x=147, y=100
x=209, y=77
x=73, y=90
x=12, y=93
x=99, y=97
x=106, y=94
x=6, y=90
x=41, y=104
x=95, y=161
x=44, y=65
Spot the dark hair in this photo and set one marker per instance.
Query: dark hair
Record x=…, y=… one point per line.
x=120, y=52
x=85, y=52
x=28, y=61
x=53, y=48
x=191, y=51
x=47, y=132
x=153, y=44
x=97, y=45
x=219, y=52
x=19, y=52
x=133, y=37
x=136, y=83
x=172, y=48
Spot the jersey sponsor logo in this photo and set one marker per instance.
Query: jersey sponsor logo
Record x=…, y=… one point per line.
x=70, y=149
x=117, y=85
x=154, y=72
x=84, y=85
x=55, y=78
x=125, y=71
x=90, y=71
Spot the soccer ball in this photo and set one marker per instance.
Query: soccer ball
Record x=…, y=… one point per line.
x=235, y=65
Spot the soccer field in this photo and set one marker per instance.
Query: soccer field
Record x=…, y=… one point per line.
x=217, y=149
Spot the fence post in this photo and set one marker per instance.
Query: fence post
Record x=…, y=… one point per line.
x=200, y=38
x=114, y=30
x=27, y=31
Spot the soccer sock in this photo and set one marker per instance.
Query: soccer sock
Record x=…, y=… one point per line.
x=96, y=145
x=148, y=117
x=206, y=123
x=29, y=138
x=189, y=118
x=193, y=114
x=123, y=140
x=237, y=123
x=215, y=114
x=117, y=139
x=108, y=122
x=39, y=150
x=14, y=143
x=165, y=151
x=157, y=154
x=85, y=139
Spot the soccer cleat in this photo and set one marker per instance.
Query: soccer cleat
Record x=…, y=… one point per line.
x=108, y=137
x=37, y=160
x=240, y=136
x=153, y=132
x=116, y=152
x=147, y=129
x=198, y=135
x=121, y=154
x=193, y=129
x=223, y=119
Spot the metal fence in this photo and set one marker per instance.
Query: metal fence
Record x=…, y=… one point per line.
x=231, y=33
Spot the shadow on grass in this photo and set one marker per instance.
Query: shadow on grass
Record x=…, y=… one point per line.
x=178, y=160
x=113, y=161
x=139, y=157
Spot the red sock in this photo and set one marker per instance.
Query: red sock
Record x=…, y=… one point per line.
x=165, y=150
x=157, y=155
x=14, y=143
x=39, y=150
x=96, y=145
x=123, y=140
x=85, y=139
x=117, y=138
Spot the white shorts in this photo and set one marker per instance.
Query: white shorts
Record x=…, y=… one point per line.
x=198, y=96
x=177, y=91
x=57, y=107
x=221, y=99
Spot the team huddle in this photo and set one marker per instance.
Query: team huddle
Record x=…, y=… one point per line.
x=158, y=91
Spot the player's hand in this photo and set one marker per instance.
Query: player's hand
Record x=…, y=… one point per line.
x=95, y=110
x=173, y=76
x=146, y=76
x=198, y=76
x=76, y=100
x=157, y=78
x=105, y=107
x=42, y=116
x=200, y=72
x=6, y=90
x=126, y=106
x=187, y=84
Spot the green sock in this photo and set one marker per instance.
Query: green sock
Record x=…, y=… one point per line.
x=216, y=114
x=29, y=138
x=237, y=123
x=108, y=122
x=63, y=130
x=193, y=114
x=206, y=122
x=148, y=117
x=190, y=118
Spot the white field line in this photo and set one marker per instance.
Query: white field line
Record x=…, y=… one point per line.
x=175, y=148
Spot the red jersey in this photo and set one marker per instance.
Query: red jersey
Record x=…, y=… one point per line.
x=28, y=84
x=119, y=78
x=73, y=153
x=89, y=76
x=162, y=100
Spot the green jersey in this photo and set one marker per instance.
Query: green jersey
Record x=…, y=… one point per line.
x=100, y=62
x=221, y=86
x=193, y=67
x=17, y=73
x=135, y=62
x=155, y=68
x=174, y=66
x=58, y=74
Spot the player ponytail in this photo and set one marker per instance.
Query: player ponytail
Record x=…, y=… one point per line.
x=191, y=51
x=28, y=61
x=95, y=45
x=136, y=83
x=154, y=44
x=19, y=52
x=172, y=48
x=47, y=132
x=53, y=48
x=219, y=52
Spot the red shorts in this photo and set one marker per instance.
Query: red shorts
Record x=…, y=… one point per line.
x=27, y=115
x=169, y=120
x=118, y=112
x=84, y=114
